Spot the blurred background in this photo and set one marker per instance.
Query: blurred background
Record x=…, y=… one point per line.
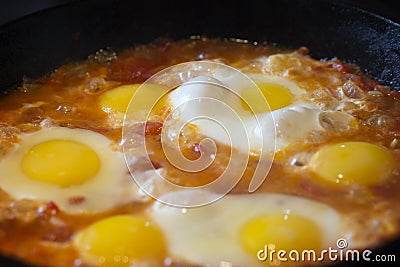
x=13, y=9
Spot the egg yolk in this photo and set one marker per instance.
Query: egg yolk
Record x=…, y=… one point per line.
x=116, y=101
x=359, y=162
x=276, y=95
x=121, y=240
x=61, y=162
x=283, y=231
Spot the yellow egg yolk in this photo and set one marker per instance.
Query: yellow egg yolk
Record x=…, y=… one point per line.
x=281, y=232
x=276, y=95
x=359, y=162
x=116, y=101
x=61, y=162
x=122, y=240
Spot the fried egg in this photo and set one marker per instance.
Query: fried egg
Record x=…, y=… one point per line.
x=75, y=168
x=234, y=229
x=277, y=110
x=115, y=102
x=122, y=240
x=353, y=162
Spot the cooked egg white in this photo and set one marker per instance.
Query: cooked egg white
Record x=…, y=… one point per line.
x=75, y=168
x=276, y=110
x=235, y=228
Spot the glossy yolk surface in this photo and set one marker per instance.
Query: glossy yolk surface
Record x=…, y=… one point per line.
x=122, y=240
x=358, y=162
x=282, y=231
x=116, y=100
x=61, y=162
x=276, y=95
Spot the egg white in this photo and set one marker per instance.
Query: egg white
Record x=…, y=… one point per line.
x=268, y=131
x=210, y=234
x=111, y=186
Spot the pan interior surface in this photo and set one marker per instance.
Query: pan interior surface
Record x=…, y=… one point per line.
x=37, y=44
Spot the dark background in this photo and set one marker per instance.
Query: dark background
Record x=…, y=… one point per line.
x=10, y=10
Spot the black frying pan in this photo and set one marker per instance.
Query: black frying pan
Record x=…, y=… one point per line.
x=37, y=44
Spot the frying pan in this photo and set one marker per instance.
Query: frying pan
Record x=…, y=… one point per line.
x=37, y=44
